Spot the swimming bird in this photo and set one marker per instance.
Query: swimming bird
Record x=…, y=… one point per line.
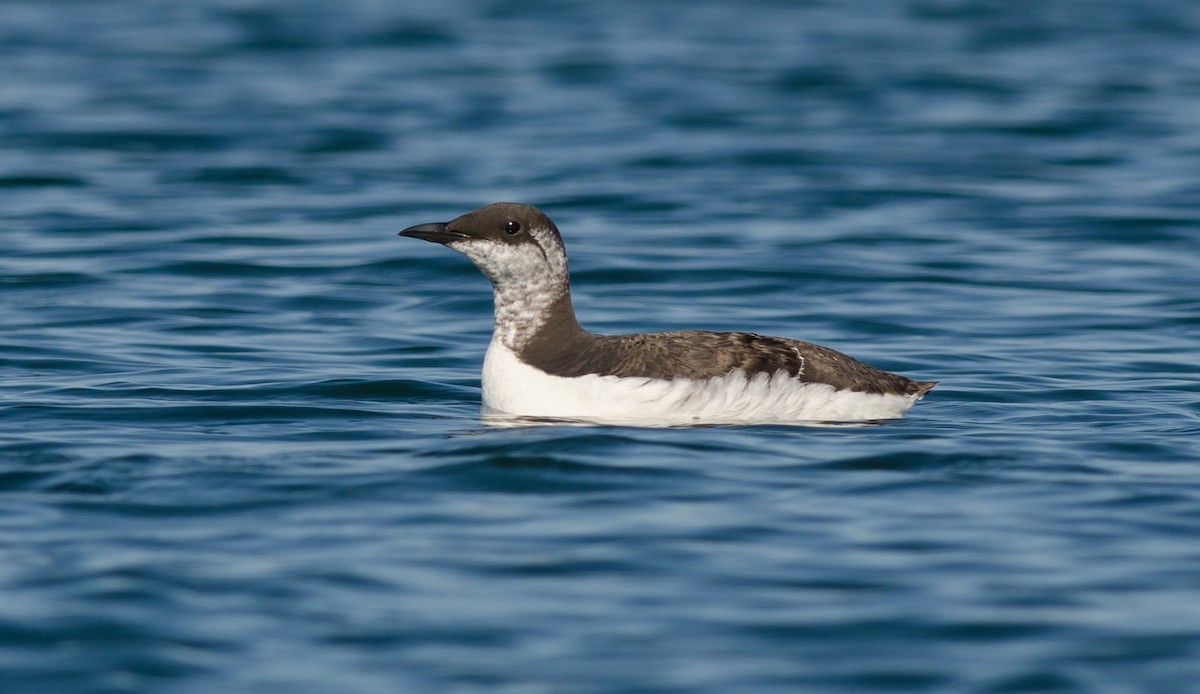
x=542, y=363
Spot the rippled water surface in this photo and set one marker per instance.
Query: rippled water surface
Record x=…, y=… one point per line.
x=240, y=440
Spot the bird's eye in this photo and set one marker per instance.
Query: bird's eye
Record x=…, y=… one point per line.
x=512, y=227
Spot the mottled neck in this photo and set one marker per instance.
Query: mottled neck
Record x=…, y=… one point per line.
x=524, y=309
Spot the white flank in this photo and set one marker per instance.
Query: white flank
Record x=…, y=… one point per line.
x=510, y=385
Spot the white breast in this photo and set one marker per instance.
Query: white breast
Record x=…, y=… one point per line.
x=510, y=385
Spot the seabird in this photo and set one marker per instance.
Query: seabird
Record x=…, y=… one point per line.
x=542, y=363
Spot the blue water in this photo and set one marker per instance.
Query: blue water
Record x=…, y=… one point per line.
x=240, y=443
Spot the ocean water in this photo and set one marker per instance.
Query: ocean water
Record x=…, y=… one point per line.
x=240, y=440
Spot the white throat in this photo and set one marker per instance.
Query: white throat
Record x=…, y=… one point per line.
x=527, y=281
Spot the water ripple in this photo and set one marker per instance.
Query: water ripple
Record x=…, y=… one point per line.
x=241, y=444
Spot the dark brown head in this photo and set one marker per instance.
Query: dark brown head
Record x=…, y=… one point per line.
x=509, y=242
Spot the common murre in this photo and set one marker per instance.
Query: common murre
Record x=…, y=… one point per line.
x=542, y=363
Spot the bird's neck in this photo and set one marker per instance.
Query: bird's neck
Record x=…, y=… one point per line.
x=525, y=310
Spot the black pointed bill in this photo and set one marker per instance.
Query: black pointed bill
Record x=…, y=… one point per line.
x=437, y=232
